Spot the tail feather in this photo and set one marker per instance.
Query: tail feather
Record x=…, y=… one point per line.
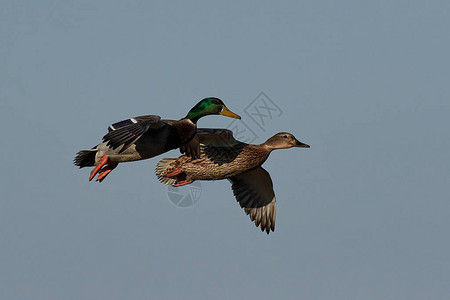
x=160, y=171
x=85, y=158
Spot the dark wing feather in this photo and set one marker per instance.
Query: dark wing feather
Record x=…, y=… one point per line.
x=219, y=145
x=141, y=119
x=222, y=155
x=216, y=137
x=129, y=131
x=254, y=192
x=209, y=137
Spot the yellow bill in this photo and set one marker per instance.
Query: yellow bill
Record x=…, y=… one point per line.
x=226, y=112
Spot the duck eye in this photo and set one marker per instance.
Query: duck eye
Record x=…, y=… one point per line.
x=215, y=101
x=285, y=136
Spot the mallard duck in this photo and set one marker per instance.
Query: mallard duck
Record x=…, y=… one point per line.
x=223, y=157
x=148, y=136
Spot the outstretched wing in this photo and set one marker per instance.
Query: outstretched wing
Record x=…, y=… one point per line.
x=216, y=137
x=128, y=131
x=209, y=138
x=254, y=192
x=219, y=145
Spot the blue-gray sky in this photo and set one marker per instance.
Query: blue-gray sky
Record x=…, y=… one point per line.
x=363, y=214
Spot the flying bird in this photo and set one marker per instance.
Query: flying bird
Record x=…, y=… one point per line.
x=148, y=136
x=223, y=157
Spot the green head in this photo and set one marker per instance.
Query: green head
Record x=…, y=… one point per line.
x=210, y=106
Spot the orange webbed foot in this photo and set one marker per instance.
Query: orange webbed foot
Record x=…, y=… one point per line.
x=174, y=173
x=103, y=161
x=183, y=182
x=104, y=167
x=105, y=171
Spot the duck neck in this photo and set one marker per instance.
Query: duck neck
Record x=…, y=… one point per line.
x=193, y=118
x=198, y=111
x=267, y=147
x=263, y=151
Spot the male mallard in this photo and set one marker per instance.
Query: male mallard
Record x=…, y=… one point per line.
x=148, y=136
x=221, y=156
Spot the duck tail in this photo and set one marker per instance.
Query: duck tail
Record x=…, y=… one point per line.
x=160, y=171
x=85, y=158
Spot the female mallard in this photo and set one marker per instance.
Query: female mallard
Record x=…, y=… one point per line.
x=148, y=136
x=221, y=156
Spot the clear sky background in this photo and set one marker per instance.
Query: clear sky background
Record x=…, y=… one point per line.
x=362, y=214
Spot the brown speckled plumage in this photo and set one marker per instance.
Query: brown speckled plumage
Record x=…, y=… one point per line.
x=218, y=163
x=222, y=157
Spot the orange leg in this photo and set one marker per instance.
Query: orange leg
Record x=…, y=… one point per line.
x=105, y=171
x=183, y=182
x=103, y=161
x=174, y=173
